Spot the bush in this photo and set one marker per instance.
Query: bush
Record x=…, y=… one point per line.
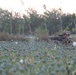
x=42, y=34
x=4, y=36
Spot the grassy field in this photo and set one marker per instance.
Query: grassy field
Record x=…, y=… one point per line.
x=39, y=58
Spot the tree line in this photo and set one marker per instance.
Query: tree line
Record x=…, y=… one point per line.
x=51, y=20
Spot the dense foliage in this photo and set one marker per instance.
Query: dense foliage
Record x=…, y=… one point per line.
x=36, y=58
x=53, y=20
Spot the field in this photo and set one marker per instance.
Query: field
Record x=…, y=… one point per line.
x=36, y=58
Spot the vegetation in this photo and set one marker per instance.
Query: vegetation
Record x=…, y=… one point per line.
x=4, y=36
x=42, y=58
x=42, y=34
x=13, y=23
x=23, y=56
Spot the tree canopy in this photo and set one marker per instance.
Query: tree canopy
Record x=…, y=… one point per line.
x=50, y=20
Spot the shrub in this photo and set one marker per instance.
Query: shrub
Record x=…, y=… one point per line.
x=4, y=36
x=42, y=34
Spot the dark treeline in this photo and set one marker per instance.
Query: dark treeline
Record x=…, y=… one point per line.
x=54, y=21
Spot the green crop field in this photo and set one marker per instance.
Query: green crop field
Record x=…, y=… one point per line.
x=39, y=58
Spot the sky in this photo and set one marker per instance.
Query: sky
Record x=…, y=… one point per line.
x=67, y=6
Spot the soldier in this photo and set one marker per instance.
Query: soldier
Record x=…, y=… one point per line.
x=66, y=38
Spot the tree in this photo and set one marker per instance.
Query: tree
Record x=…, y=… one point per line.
x=52, y=20
x=74, y=21
x=27, y=27
x=36, y=20
x=5, y=20
x=67, y=22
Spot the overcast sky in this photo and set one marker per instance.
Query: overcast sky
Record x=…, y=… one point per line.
x=21, y=5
